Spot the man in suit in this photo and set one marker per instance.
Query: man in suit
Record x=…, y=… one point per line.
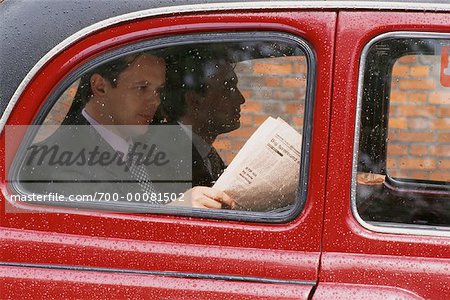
x=203, y=99
x=117, y=101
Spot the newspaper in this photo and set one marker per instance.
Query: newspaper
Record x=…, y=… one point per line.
x=264, y=175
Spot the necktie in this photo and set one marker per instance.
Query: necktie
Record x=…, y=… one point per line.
x=216, y=164
x=138, y=172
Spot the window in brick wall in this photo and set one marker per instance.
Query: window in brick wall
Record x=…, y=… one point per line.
x=198, y=103
x=403, y=173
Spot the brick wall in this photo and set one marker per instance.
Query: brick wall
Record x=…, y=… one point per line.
x=272, y=87
x=419, y=121
x=419, y=117
x=57, y=114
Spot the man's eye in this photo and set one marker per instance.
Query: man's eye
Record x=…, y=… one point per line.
x=141, y=87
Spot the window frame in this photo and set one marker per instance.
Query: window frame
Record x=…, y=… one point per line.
x=387, y=227
x=171, y=41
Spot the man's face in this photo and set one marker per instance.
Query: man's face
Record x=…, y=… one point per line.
x=135, y=98
x=222, y=100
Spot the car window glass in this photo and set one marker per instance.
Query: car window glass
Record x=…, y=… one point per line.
x=419, y=120
x=161, y=128
x=404, y=147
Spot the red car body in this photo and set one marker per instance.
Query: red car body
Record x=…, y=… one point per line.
x=323, y=253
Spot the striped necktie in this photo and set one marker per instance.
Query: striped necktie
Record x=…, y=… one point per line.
x=139, y=173
x=216, y=164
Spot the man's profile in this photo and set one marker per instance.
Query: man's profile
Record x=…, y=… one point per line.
x=202, y=96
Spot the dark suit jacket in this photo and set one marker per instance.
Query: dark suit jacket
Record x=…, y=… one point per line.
x=40, y=173
x=200, y=174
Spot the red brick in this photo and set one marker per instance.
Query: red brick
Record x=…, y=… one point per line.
x=248, y=94
x=444, y=112
x=409, y=85
x=297, y=121
x=237, y=145
x=267, y=68
x=251, y=106
x=299, y=68
x=299, y=95
x=440, y=150
x=283, y=94
x=293, y=83
x=440, y=176
x=397, y=123
x=444, y=164
x=417, y=98
x=439, y=98
x=422, y=137
x=418, y=124
x=398, y=97
x=259, y=119
x=273, y=81
x=395, y=85
x=400, y=70
x=228, y=157
x=418, y=150
x=393, y=111
x=416, y=163
x=441, y=123
x=391, y=163
x=420, y=71
x=222, y=144
x=444, y=138
x=396, y=149
x=292, y=108
x=243, y=132
x=423, y=175
x=416, y=111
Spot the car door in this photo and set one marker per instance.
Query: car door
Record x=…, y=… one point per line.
x=83, y=251
x=386, y=228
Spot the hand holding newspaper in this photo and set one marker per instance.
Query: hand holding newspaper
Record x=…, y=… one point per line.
x=264, y=174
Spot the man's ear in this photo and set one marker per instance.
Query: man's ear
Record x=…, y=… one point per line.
x=98, y=85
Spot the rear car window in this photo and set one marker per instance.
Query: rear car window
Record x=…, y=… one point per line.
x=185, y=112
x=403, y=171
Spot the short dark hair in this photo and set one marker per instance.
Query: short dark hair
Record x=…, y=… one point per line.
x=110, y=71
x=188, y=70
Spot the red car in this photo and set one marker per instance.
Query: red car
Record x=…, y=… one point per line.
x=365, y=85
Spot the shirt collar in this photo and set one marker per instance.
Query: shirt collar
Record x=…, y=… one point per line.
x=116, y=142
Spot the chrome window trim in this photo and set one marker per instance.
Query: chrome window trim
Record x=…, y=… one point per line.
x=210, y=7
x=384, y=227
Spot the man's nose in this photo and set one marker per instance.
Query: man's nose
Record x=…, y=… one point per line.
x=154, y=98
x=240, y=96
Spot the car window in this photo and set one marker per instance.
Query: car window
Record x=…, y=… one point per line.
x=403, y=171
x=149, y=128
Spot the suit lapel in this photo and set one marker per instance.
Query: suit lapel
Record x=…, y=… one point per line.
x=112, y=171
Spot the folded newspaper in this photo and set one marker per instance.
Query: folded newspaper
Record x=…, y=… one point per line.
x=264, y=175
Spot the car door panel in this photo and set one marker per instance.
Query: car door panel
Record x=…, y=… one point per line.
x=352, y=254
x=69, y=238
